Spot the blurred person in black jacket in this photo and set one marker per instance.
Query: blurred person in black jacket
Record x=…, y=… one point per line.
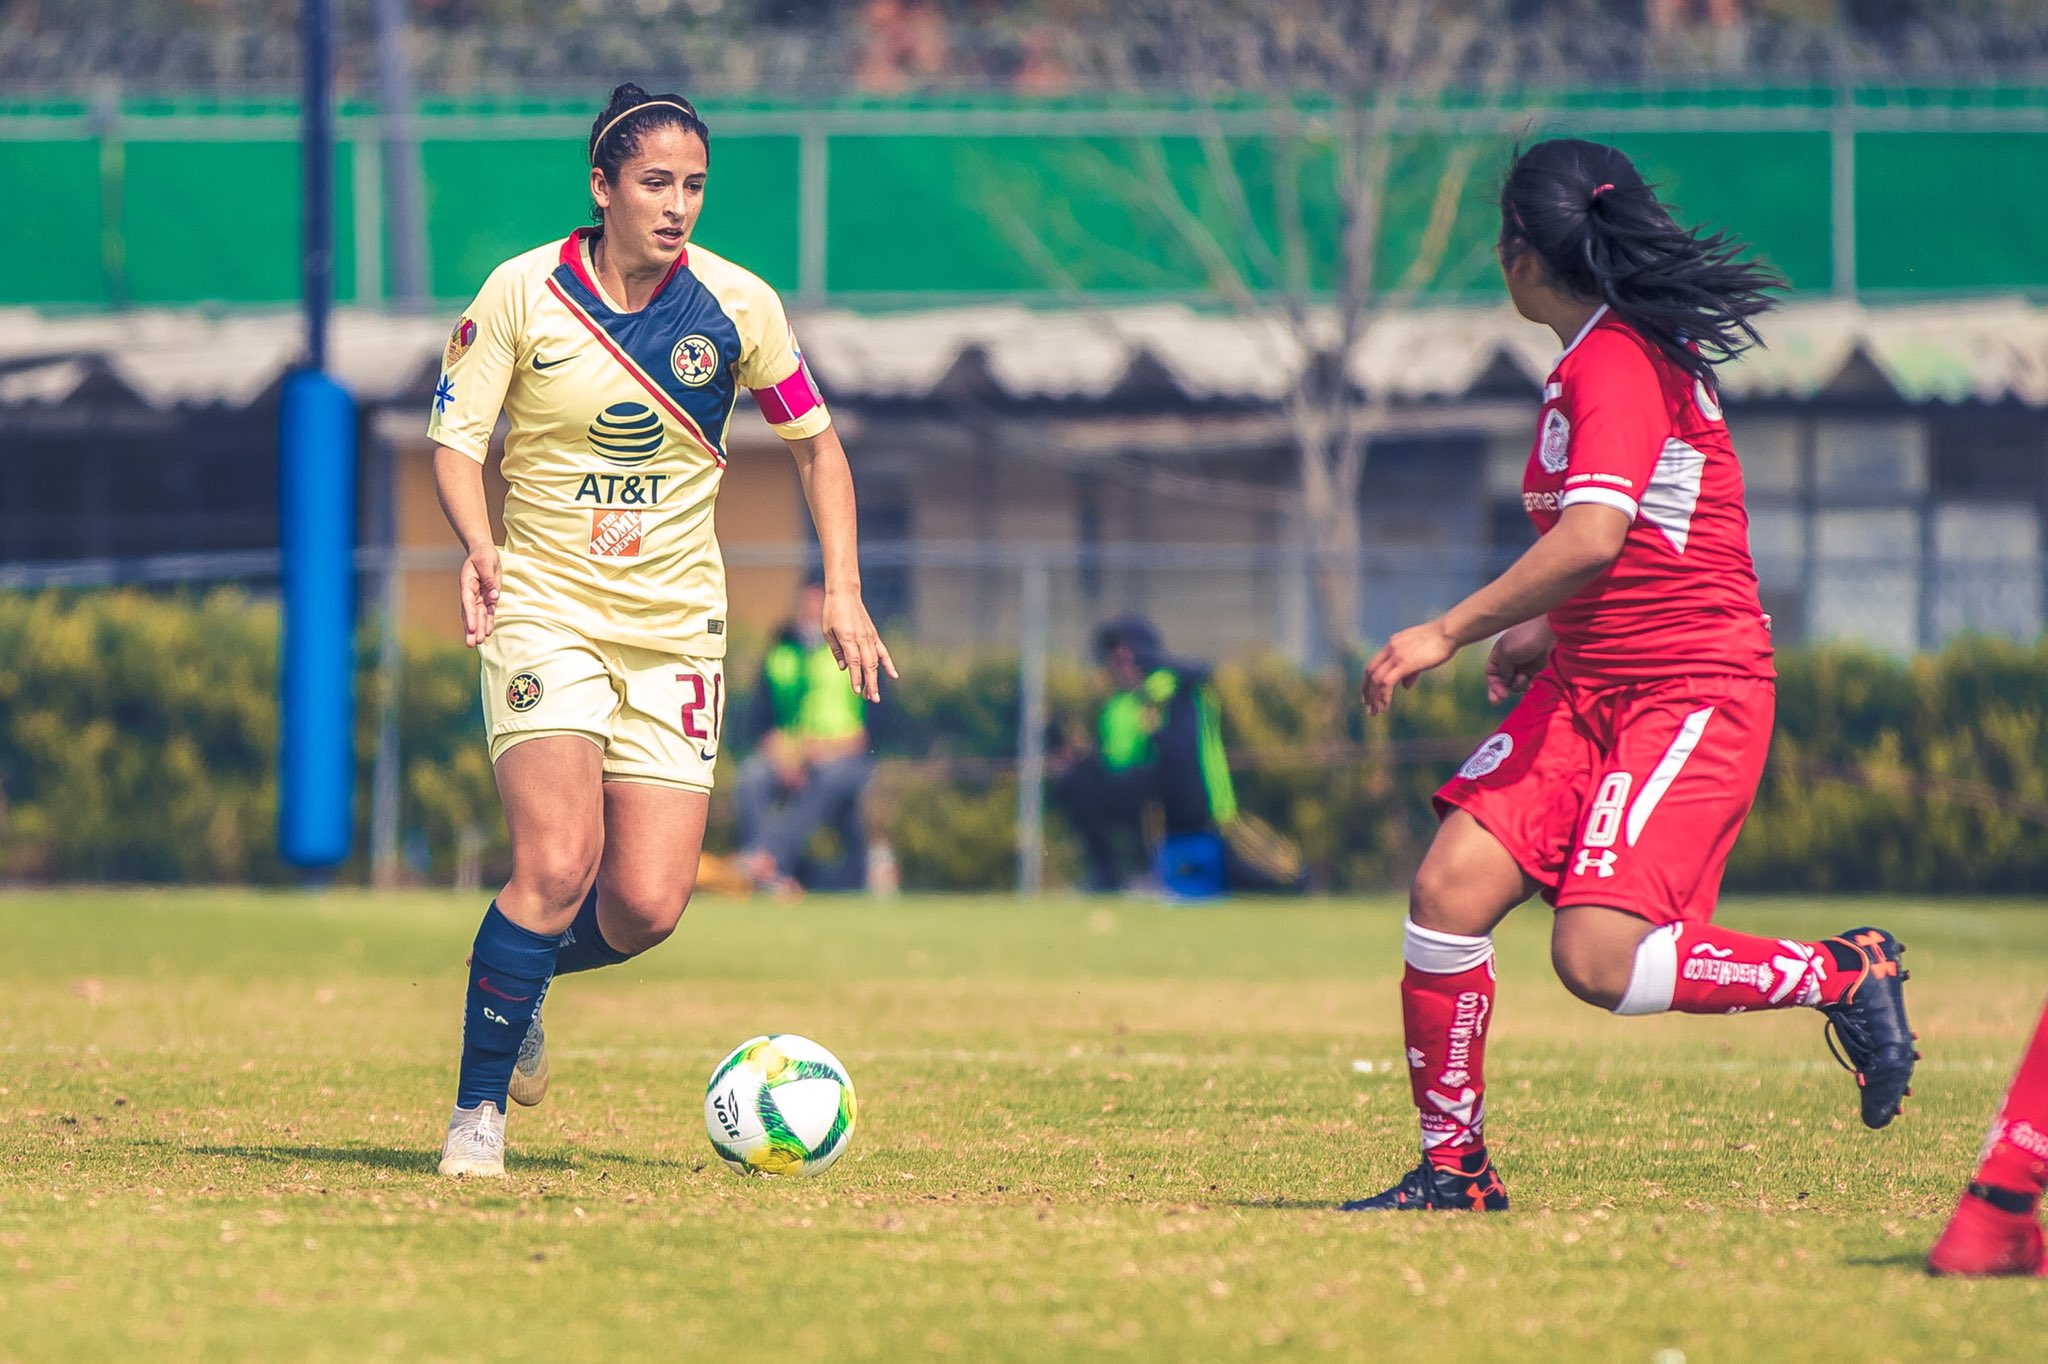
x=1159, y=745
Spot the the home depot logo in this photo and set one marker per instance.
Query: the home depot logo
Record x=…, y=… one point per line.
x=614, y=533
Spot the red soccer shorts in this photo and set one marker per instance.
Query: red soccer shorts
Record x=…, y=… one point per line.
x=1628, y=796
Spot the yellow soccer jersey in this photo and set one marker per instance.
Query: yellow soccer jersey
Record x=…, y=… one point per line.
x=618, y=426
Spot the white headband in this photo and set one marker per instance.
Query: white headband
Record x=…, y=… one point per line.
x=598, y=141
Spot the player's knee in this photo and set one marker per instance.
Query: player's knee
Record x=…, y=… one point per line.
x=1589, y=967
x=558, y=871
x=557, y=876
x=647, y=914
x=1437, y=901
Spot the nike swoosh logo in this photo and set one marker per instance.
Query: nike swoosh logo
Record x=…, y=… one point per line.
x=539, y=363
x=708, y=755
x=484, y=983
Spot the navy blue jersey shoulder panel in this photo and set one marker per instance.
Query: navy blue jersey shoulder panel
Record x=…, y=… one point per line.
x=682, y=334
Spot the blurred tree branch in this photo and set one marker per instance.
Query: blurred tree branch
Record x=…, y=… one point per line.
x=1285, y=94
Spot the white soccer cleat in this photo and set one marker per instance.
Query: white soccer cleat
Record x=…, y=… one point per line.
x=530, y=1072
x=476, y=1143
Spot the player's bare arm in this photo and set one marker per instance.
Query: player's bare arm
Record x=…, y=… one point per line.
x=459, y=482
x=1517, y=656
x=1584, y=544
x=828, y=489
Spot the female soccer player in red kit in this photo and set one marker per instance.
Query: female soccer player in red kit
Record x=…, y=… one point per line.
x=1996, y=1229
x=1632, y=628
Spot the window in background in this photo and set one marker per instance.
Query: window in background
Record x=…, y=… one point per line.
x=885, y=519
x=1989, y=470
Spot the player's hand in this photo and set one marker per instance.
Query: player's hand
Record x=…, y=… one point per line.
x=1407, y=656
x=856, y=644
x=1516, y=657
x=481, y=574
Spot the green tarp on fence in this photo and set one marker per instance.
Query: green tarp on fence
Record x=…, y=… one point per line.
x=877, y=202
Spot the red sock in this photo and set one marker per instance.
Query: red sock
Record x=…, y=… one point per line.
x=1446, y=1003
x=1704, y=969
x=2016, y=1155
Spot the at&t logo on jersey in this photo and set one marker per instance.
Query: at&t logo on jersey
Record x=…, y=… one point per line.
x=695, y=360
x=626, y=433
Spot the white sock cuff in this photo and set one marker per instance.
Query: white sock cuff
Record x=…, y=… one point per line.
x=1655, y=977
x=1443, y=954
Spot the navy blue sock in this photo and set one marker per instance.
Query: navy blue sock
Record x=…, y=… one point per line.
x=509, y=968
x=583, y=946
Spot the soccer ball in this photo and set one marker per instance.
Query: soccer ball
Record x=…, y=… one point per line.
x=779, y=1105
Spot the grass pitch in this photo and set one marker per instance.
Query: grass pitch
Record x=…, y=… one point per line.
x=1088, y=1130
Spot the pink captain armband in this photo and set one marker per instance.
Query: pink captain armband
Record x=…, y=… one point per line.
x=791, y=399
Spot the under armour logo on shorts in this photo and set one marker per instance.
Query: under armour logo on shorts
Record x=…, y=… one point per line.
x=1592, y=863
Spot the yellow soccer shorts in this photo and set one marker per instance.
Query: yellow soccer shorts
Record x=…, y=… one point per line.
x=655, y=716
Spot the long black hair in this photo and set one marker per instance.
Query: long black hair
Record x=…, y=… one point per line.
x=628, y=117
x=1599, y=229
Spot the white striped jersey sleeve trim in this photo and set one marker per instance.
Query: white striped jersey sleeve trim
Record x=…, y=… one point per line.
x=1604, y=497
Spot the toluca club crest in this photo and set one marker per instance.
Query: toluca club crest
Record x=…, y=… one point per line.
x=1487, y=757
x=694, y=360
x=1556, y=448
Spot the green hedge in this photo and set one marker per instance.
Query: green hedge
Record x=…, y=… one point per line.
x=138, y=740
x=138, y=734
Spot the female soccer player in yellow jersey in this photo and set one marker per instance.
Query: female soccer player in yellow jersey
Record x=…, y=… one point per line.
x=618, y=356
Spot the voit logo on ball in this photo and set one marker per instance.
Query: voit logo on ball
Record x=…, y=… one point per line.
x=627, y=433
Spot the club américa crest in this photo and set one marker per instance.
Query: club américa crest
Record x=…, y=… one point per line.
x=523, y=693
x=695, y=360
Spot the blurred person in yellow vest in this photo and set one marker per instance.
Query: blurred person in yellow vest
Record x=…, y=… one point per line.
x=810, y=765
x=1159, y=748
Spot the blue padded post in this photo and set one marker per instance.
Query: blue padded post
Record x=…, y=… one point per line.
x=316, y=677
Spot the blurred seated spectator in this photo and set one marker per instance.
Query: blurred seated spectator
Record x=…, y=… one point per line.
x=1714, y=30
x=1160, y=747
x=810, y=765
x=902, y=46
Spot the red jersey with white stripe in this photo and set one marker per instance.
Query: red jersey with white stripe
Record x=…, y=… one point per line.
x=1624, y=427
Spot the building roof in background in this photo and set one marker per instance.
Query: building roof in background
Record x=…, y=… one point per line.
x=1986, y=351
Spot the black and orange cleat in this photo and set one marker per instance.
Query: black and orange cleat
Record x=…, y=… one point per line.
x=1993, y=1232
x=1470, y=1185
x=1869, y=1022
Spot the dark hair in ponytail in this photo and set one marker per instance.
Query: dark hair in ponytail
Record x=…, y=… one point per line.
x=629, y=116
x=1584, y=209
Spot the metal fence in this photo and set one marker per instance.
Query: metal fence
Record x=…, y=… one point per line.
x=1044, y=47
x=1034, y=607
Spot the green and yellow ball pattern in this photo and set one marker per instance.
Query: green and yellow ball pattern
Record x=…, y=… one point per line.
x=779, y=1105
